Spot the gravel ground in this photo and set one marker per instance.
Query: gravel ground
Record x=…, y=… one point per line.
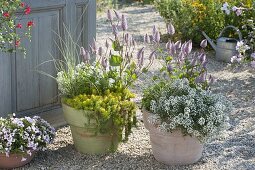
x=233, y=149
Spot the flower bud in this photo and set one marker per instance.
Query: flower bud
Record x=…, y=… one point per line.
x=211, y=79
x=115, y=30
x=100, y=51
x=141, y=60
x=140, y=53
x=147, y=39
x=193, y=62
x=202, y=57
x=188, y=47
x=126, y=38
x=124, y=23
x=203, y=43
x=152, y=56
x=169, y=68
x=172, y=49
x=178, y=44
x=157, y=37
x=109, y=15
x=170, y=29
x=154, y=30
x=104, y=62
x=107, y=45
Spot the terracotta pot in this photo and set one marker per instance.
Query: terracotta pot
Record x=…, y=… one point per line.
x=173, y=148
x=14, y=160
x=84, y=137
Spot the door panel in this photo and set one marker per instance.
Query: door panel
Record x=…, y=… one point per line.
x=24, y=89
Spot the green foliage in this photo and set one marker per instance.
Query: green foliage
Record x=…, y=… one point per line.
x=192, y=16
x=111, y=107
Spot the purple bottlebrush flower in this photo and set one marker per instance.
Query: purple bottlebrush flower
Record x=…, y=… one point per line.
x=126, y=38
x=157, y=37
x=152, y=56
x=85, y=54
x=134, y=42
x=204, y=63
x=100, y=51
x=104, y=62
x=117, y=14
x=140, y=53
x=154, y=30
x=201, y=78
x=181, y=56
x=188, y=47
x=124, y=23
x=178, y=44
x=193, y=62
x=141, y=60
x=203, y=43
x=168, y=45
x=94, y=46
x=169, y=68
x=147, y=39
x=107, y=45
x=202, y=57
x=172, y=49
x=109, y=15
x=115, y=30
x=211, y=79
x=170, y=29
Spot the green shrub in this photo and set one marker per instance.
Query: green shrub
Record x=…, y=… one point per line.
x=192, y=16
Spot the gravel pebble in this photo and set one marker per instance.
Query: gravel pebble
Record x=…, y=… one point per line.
x=233, y=149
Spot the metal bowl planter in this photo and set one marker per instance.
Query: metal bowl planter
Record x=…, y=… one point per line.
x=173, y=148
x=85, y=138
x=15, y=160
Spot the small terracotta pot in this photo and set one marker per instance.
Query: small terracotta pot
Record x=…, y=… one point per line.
x=15, y=160
x=173, y=148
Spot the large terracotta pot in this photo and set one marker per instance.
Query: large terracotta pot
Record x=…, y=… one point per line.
x=15, y=160
x=84, y=137
x=173, y=148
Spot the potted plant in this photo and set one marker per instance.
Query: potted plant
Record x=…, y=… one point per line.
x=21, y=138
x=179, y=110
x=95, y=96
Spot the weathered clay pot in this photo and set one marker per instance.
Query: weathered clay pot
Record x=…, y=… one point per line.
x=14, y=160
x=84, y=137
x=173, y=148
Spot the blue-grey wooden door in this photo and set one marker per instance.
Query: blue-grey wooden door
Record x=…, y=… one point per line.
x=22, y=89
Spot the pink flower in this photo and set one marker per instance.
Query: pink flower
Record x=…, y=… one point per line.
x=6, y=14
x=19, y=25
x=30, y=23
x=27, y=10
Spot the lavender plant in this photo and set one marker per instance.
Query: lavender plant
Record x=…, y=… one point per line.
x=24, y=135
x=178, y=61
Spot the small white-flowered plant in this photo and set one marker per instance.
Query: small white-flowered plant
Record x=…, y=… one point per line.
x=21, y=135
x=195, y=112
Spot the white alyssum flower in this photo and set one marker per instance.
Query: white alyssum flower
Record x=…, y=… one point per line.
x=197, y=112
